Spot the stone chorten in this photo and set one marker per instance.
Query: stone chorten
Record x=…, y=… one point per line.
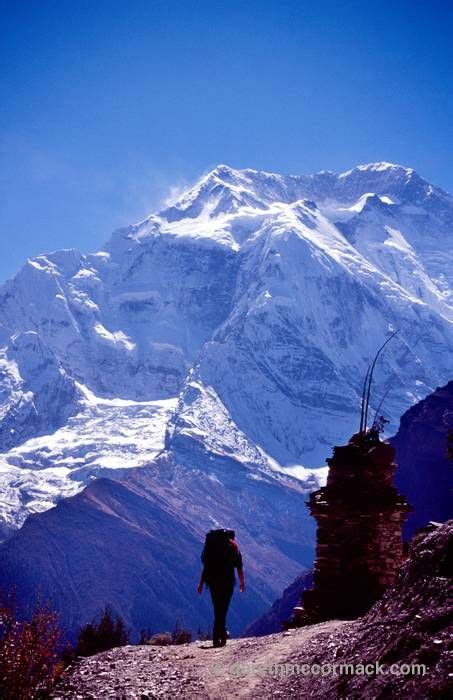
x=359, y=545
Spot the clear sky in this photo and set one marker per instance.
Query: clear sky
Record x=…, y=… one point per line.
x=106, y=104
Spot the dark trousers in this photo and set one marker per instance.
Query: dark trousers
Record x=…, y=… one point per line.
x=221, y=596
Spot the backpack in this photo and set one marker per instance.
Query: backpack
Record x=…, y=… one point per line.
x=217, y=548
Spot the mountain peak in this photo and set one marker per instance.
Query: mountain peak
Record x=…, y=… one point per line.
x=223, y=169
x=378, y=167
x=220, y=172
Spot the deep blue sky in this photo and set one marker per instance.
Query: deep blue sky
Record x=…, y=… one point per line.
x=105, y=104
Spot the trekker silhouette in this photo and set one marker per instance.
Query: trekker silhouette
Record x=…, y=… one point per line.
x=220, y=557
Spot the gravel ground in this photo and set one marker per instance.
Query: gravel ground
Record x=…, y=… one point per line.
x=195, y=670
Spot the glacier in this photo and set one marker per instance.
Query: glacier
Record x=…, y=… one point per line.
x=233, y=326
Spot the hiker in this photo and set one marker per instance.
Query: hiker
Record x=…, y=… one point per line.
x=220, y=557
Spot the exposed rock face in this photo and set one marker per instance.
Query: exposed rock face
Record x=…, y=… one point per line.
x=424, y=470
x=410, y=625
x=359, y=544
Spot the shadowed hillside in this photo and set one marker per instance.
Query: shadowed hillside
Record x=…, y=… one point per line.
x=424, y=470
x=136, y=545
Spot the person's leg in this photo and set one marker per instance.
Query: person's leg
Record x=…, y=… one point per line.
x=216, y=595
x=221, y=596
x=223, y=605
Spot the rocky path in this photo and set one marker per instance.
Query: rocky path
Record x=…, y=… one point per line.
x=195, y=670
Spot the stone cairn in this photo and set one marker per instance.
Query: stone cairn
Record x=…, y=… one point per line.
x=359, y=545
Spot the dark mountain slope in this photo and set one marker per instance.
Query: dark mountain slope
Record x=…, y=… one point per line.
x=424, y=473
x=282, y=609
x=136, y=545
x=106, y=545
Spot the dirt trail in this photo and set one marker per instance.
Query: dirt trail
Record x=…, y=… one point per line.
x=238, y=670
x=195, y=670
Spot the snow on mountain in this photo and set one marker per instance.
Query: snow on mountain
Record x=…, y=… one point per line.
x=105, y=437
x=239, y=320
x=37, y=393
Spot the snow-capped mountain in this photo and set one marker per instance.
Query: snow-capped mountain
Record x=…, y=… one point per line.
x=236, y=324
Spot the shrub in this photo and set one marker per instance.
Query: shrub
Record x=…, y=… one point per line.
x=161, y=639
x=145, y=636
x=101, y=634
x=29, y=653
x=180, y=635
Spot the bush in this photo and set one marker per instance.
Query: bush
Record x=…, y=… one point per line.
x=161, y=639
x=101, y=634
x=180, y=635
x=29, y=653
x=145, y=636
